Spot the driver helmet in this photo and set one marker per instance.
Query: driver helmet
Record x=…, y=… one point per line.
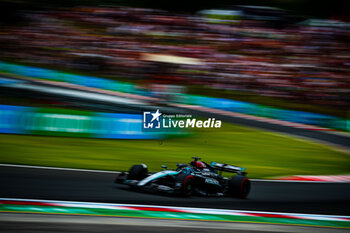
x=198, y=164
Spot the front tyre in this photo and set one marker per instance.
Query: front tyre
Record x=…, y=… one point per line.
x=185, y=183
x=239, y=186
x=137, y=172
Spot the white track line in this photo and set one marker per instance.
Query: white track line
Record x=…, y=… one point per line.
x=57, y=168
x=117, y=172
x=189, y=209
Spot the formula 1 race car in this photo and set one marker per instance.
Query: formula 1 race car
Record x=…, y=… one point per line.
x=195, y=178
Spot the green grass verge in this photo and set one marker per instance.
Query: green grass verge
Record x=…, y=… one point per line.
x=263, y=154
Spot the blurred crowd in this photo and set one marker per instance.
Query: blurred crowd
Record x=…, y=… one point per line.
x=296, y=61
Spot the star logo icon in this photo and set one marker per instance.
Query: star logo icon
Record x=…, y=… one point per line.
x=156, y=115
x=151, y=120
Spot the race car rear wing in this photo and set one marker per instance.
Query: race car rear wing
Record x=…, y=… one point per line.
x=227, y=168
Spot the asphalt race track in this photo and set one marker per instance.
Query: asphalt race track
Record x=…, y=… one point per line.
x=32, y=183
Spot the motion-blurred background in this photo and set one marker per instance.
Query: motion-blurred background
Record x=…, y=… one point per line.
x=80, y=74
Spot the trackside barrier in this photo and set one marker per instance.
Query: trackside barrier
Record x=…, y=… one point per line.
x=89, y=81
x=210, y=102
x=266, y=111
x=72, y=123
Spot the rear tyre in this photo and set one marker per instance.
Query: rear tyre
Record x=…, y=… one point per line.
x=187, y=182
x=137, y=172
x=239, y=186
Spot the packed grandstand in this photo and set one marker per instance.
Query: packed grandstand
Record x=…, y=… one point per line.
x=304, y=61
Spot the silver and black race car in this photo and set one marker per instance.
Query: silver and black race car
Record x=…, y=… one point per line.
x=195, y=178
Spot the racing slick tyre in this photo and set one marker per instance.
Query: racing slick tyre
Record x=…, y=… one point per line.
x=137, y=172
x=186, y=182
x=239, y=186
